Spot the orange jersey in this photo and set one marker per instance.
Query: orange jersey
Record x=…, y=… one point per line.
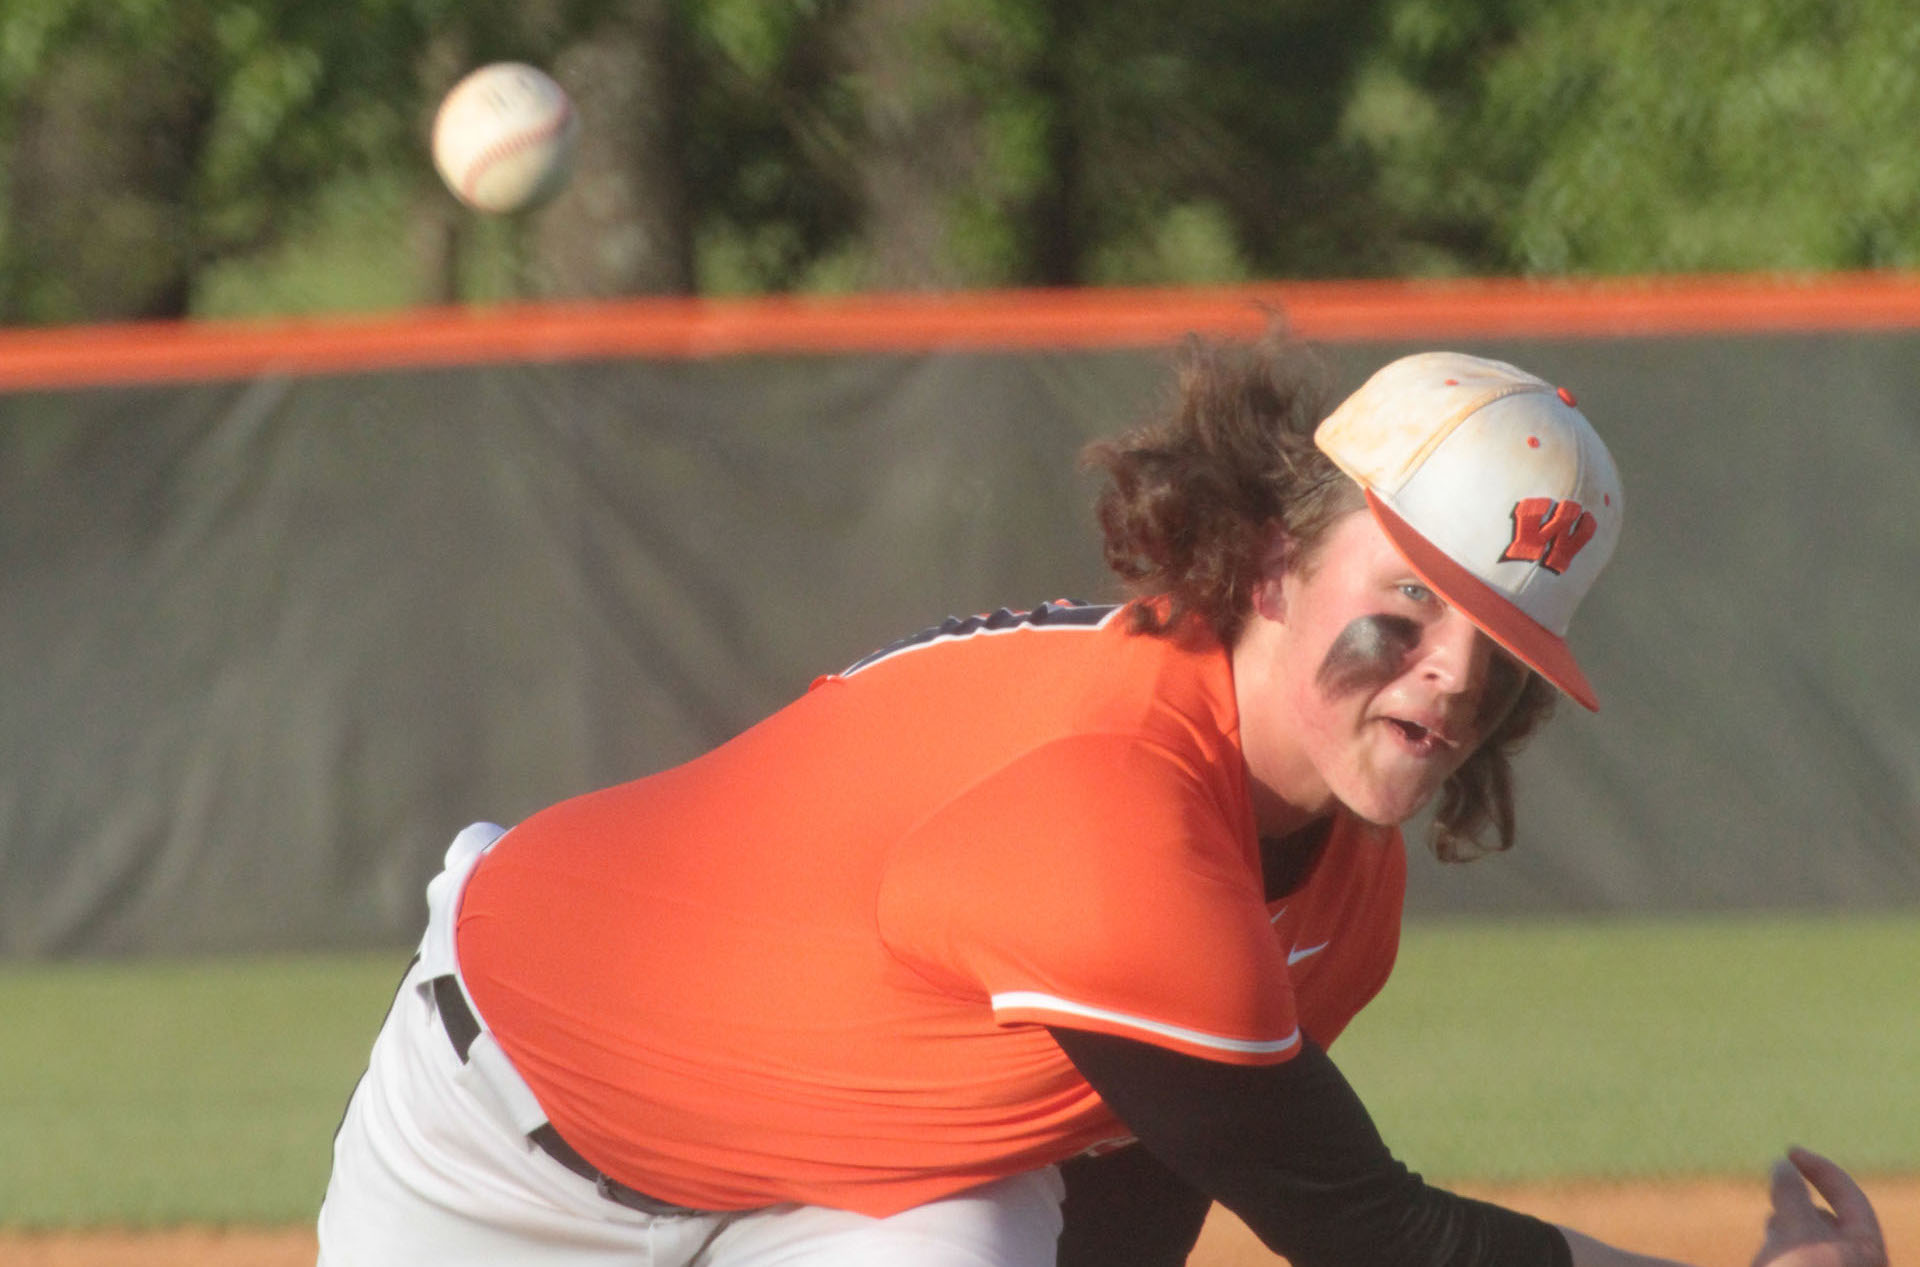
x=817, y=963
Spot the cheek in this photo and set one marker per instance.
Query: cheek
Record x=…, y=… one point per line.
x=1370, y=652
x=1506, y=678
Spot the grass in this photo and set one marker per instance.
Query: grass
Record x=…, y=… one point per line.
x=143, y=1094
x=1562, y=1050
x=151, y=1093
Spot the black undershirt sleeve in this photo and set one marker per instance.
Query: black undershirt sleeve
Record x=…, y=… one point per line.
x=1126, y=1209
x=1287, y=1147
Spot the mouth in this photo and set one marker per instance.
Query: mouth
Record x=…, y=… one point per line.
x=1421, y=740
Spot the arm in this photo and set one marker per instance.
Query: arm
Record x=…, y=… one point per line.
x=1290, y=1149
x=1588, y=1252
x=1126, y=1207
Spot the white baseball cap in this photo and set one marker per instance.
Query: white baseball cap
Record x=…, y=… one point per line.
x=1495, y=488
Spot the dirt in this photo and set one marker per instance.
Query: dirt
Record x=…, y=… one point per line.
x=1706, y=1224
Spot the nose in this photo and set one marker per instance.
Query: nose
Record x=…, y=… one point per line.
x=1455, y=654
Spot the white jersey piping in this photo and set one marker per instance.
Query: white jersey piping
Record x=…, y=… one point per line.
x=1199, y=1038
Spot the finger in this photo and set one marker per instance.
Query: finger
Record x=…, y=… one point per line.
x=1792, y=1204
x=1849, y=1203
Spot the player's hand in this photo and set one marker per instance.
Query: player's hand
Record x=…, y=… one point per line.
x=1801, y=1234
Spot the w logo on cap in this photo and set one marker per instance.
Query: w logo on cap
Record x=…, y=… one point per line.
x=1548, y=532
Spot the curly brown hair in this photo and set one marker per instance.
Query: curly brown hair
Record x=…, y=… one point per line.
x=1188, y=515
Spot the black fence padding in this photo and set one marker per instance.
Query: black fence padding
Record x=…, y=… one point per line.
x=271, y=643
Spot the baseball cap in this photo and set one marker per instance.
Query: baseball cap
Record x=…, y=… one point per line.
x=1495, y=488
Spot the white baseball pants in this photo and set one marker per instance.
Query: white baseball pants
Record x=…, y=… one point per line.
x=433, y=1165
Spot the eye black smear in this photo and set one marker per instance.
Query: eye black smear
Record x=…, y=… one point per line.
x=1369, y=652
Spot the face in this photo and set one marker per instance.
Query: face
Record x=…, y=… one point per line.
x=1360, y=686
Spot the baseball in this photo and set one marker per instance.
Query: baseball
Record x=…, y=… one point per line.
x=504, y=136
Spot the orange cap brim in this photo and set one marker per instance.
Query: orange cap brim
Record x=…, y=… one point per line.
x=1542, y=650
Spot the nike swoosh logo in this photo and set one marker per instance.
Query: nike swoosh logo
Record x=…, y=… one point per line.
x=1298, y=953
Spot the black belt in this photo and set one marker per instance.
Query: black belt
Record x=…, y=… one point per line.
x=462, y=1028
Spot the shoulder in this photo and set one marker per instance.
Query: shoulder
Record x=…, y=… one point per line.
x=1090, y=805
x=1097, y=875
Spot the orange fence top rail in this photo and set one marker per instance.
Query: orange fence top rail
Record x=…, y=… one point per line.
x=679, y=328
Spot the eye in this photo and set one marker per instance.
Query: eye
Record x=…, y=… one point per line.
x=1416, y=592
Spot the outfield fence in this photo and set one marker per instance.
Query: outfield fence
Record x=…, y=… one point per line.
x=289, y=605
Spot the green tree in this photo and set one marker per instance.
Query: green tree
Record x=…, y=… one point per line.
x=147, y=138
x=1631, y=136
x=1063, y=142
x=163, y=157
x=772, y=192
x=1225, y=115
x=627, y=227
